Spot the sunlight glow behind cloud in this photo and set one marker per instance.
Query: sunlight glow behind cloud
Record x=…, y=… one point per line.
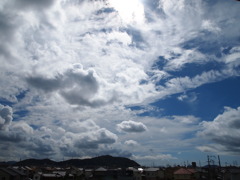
x=129, y=11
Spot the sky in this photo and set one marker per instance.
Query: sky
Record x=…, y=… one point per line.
x=156, y=81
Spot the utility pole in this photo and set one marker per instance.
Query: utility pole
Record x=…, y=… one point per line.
x=208, y=161
x=219, y=161
x=199, y=162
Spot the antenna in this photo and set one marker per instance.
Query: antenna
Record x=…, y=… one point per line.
x=219, y=161
x=208, y=160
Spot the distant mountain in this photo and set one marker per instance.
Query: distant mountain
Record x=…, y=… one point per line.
x=211, y=166
x=8, y=163
x=36, y=162
x=107, y=161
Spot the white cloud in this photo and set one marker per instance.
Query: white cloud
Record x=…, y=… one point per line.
x=186, y=119
x=210, y=26
x=6, y=114
x=188, y=97
x=181, y=84
x=208, y=148
x=158, y=157
x=70, y=68
x=92, y=140
x=184, y=57
x=22, y=127
x=232, y=59
x=131, y=143
x=223, y=131
x=131, y=126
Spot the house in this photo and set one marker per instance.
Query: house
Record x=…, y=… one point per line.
x=185, y=174
x=55, y=175
x=125, y=174
x=231, y=173
x=11, y=174
x=100, y=173
x=25, y=170
x=137, y=174
x=88, y=173
x=153, y=173
x=46, y=176
x=77, y=171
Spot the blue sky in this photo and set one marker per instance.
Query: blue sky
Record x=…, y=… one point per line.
x=157, y=81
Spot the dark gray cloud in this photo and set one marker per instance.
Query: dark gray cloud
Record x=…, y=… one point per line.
x=34, y=3
x=70, y=152
x=116, y=152
x=9, y=136
x=105, y=137
x=131, y=126
x=38, y=146
x=33, y=145
x=235, y=123
x=224, y=131
x=93, y=140
x=76, y=86
x=229, y=141
x=8, y=28
x=16, y=131
x=86, y=143
x=80, y=88
x=5, y=116
x=45, y=84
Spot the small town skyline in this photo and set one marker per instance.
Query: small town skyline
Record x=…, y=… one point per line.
x=211, y=160
x=113, y=168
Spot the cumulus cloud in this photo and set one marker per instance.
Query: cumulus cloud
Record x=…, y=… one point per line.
x=11, y=136
x=44, y=84
x=22, y=127
x=223, y=131
x=94, y=139
x=16, y=132
x=5, y=116
x=76, y=86
x=13, y=131
x=131, y=143
x=131, y=126
x=62, y=59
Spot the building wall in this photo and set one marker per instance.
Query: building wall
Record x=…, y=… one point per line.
x=182, y=176
x=7, y=176
x=4, y=176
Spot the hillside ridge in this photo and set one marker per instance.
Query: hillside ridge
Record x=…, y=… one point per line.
x=106, y=161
